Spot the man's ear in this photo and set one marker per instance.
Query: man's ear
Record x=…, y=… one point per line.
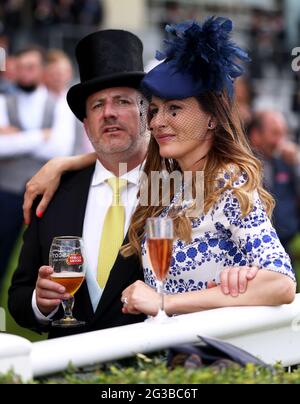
x=85, y=124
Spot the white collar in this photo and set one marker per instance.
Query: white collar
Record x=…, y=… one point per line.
x=101, y=174
x=40, y=91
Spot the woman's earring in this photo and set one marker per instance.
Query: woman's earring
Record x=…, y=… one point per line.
x=210, y=125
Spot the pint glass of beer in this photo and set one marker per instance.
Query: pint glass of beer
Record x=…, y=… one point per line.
x=67, y=258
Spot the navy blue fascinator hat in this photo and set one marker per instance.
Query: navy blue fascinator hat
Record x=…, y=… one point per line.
x=197, y=58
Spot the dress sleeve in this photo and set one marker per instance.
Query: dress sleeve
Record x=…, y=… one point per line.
x=255, y=236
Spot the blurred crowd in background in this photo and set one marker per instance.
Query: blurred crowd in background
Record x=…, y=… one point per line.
x=268, y=95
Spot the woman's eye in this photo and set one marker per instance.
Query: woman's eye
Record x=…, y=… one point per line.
x=174, y=107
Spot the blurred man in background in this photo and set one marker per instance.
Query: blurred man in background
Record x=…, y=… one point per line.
x=58, y=75
x=34, y=127
x=268, y=134
x=58, y=72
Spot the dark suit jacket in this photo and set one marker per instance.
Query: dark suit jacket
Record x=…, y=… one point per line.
x=65, y=216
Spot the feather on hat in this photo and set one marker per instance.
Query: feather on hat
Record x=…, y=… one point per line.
x=197, y=58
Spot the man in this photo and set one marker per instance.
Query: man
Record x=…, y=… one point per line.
x=268, y=134
x=108, y=103
x=34, y=127
x=58, y=74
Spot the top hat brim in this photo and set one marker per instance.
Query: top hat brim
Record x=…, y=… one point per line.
x=78, y=94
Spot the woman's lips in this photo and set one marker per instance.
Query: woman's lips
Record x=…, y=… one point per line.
x=164, y=138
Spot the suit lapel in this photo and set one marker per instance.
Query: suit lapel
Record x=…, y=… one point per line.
x=76, y=192
x=74, y=196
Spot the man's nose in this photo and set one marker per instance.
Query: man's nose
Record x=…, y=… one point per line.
x=109, y=111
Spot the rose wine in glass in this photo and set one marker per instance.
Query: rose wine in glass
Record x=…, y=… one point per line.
x=159, y=233
x=66, y=257
x=160, y=251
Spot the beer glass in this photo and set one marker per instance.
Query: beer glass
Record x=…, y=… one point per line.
x=159, y=235
x=67, y=258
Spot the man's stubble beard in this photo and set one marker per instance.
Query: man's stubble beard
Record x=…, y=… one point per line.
x=111, y=147
x=108, y=149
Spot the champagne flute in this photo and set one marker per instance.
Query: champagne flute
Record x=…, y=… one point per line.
x=67, y=258
x=159, y=234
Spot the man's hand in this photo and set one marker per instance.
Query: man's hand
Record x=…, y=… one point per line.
x=234, y=280
x=45, y=182
x=49, y=294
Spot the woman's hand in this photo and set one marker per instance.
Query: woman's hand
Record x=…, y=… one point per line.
x=140, y=298
x=47, y=179
x=234, y=280
x=45, y=182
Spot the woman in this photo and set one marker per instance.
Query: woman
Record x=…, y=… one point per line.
x=195, y=127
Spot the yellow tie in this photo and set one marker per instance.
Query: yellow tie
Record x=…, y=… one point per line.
x=112, y=232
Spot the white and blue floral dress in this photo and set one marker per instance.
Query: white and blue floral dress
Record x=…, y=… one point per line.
x=222, y=238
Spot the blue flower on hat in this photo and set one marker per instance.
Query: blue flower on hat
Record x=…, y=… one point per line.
x=197, y=58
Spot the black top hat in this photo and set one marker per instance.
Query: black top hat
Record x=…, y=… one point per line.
x=109, y=58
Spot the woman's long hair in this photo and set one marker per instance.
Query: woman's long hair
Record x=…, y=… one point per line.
x=230, y=152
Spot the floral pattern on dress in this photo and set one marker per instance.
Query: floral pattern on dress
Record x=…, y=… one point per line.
x=222, y=238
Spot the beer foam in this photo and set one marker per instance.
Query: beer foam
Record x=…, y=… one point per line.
x=67, y=275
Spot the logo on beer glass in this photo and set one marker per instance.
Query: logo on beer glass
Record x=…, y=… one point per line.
x=74, y=259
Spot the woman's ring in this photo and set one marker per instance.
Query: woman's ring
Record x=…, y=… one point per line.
x=124, y=301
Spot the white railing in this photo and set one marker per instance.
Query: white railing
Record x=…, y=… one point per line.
x=15, y=355
x=271, y=333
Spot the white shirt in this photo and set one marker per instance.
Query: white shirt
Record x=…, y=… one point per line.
x=99, y=200
x=31, y=140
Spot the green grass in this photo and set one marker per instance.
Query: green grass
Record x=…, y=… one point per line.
x=152, y=370
x=11, y=326
x=295, y=248
x=156, y=372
